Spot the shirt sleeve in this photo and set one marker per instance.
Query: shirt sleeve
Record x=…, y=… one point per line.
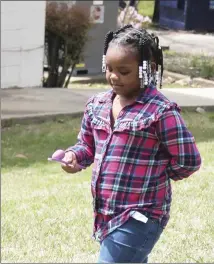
x=180, y=145
x=84, y=149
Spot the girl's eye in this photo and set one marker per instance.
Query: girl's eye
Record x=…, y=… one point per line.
x=124, y=73
x=108, y=69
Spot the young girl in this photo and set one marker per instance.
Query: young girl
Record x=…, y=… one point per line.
x=138, y=143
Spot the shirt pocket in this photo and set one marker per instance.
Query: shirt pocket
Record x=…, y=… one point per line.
x=136, y=131
x=136, y=142
x=101, y=132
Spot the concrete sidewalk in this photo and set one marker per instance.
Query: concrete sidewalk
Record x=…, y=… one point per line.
x=30, y=104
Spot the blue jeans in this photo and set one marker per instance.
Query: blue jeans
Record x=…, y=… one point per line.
x=130, y=243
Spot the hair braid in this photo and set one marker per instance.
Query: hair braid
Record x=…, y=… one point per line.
x=108, y=38
x=122, y=29
x=144, y=44
x=158, y=60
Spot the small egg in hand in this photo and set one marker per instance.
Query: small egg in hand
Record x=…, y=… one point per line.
x=58, y=154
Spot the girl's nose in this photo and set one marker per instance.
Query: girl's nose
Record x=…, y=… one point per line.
x=113, y=77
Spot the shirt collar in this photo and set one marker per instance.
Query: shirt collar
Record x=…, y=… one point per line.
x=146, y=93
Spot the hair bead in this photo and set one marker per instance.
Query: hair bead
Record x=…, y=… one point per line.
x=145, y=44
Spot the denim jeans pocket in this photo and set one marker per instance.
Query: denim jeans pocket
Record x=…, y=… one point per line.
x=131, y=242
x=154, y=231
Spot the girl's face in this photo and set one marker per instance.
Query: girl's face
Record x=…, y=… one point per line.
x=122, y=71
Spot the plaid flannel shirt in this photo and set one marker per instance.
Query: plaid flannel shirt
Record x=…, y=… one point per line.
x=134, y=162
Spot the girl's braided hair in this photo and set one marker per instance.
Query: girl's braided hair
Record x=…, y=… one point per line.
x=140, y=41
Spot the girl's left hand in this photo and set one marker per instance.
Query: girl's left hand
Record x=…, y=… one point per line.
x=70, y=165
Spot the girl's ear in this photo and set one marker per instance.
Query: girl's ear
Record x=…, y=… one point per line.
x=153, y=67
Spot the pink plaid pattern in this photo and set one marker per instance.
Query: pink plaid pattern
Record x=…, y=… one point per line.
x=133, y=163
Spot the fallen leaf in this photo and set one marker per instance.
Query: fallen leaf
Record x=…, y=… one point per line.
x=21, y=156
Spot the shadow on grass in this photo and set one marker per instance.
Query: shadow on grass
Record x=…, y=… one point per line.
x=25, y=145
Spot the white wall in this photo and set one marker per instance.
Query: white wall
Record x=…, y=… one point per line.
x=22, y=43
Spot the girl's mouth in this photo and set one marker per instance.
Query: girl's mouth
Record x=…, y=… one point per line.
x=116, y=86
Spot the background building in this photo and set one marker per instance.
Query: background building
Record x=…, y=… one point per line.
x=106, y=14
x=23, y=32
x=22, y=43
x=195, y=15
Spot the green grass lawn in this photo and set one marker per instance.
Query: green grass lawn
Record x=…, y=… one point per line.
x=146, y=7
x=189, y=64
x=47, y=214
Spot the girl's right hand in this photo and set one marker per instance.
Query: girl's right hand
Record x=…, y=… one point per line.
x=72, y=166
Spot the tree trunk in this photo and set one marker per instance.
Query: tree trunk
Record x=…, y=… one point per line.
x=70, y=74
x=125, y=15
x=62, y=76
x=156, y=13
x=53, y=48
x=66, y=64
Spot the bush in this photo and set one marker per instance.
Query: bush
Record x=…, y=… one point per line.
x=190, y=64
x=66, y=33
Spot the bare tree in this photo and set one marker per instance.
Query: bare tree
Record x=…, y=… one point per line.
x=66, y=34
x=155, y=18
